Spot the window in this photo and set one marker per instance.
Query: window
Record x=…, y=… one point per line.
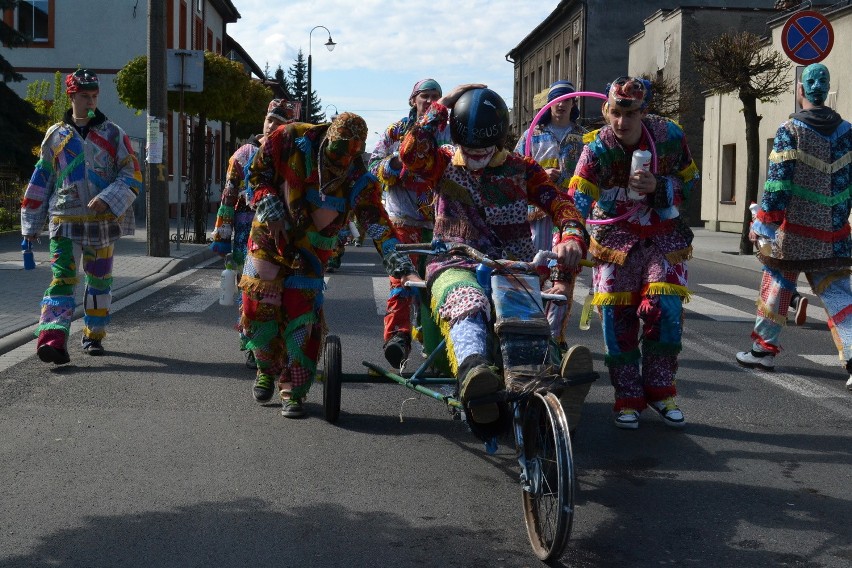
x=209, y=39
x=549, y=74
x=558, y=67
x=728, y=192
x=182, y=26
x=33, y=19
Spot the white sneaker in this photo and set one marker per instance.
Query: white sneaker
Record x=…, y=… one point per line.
x=748, y=359
x=849, y=383
x=669, y=412
x=627, y=419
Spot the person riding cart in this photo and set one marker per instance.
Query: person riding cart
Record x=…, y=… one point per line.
x=482, y=192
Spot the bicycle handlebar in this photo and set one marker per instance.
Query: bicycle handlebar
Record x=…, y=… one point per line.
x=466, y=250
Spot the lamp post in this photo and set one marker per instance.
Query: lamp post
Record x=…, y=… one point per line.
x=335, y=110
x=330, y=45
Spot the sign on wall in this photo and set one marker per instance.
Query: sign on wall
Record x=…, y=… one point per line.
x=807, y=37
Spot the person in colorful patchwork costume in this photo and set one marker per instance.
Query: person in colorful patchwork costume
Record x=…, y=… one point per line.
x=408, y=201
x=481, y=197
x=557, y=141
x=304, y=180
x=640, y=245
x=84, y=184
x=804, y=215
x=234, y=217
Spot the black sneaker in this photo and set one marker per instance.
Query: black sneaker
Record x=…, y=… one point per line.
x=397, y=349
x=264, y=387
x=50, y=354
x=92, y=346
x=292, y=408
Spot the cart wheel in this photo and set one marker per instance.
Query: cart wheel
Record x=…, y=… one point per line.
x=332, y=362
x=549, y=495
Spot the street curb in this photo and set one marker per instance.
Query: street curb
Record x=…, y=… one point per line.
x=174, y=266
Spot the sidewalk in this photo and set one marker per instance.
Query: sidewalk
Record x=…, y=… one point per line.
x=134, y=269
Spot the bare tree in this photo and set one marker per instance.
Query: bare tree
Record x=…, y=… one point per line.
x=740, y=63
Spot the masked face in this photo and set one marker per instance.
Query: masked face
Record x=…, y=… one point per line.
x=477, y=158
x=816, y=82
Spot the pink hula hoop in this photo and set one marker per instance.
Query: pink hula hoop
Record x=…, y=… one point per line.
x=528, y=145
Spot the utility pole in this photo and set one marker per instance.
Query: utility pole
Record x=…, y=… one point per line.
x=157, y=160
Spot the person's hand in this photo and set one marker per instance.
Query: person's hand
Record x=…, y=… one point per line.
x=450, y=98
x=568, y=254
x=752, y=236
x=413, y=277
x=560, y=287
x=277, y=232
x=643, y=182
x=553, y=173
x=98, y=205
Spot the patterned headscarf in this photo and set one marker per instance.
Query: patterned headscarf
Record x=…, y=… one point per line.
x=282, y=109
x=424, y=85
x=629, y=93
x=817, y=81
x=346, y=136
x=81, y=80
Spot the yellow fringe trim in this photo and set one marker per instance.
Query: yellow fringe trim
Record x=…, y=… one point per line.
x=585, y=186
x=590, y=136
x=444, y=327
x=258, y=286
x=666, y=289
x=605, y=254
x=811, y=160
x=615, y=299
x=689, y=172
x=769, y=314
x=83, y=218
x=681, y=255
x=101, y=312
x=828, y=280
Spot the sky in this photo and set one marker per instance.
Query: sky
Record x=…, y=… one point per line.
x=385, y=46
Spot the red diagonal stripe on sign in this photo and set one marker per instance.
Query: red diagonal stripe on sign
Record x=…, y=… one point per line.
x=808, y=37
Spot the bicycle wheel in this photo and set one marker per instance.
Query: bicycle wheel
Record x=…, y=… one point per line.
x=333, y=364
x=548, y=493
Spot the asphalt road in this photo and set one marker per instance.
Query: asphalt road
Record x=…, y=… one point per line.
x=156, y=455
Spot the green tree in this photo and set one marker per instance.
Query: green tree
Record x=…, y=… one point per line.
x=740, y=63
x=298, y=76
x=226, y=97
x=49, y=99
x=17, y=116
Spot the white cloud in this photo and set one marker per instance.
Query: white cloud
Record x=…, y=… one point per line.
x=384, y=46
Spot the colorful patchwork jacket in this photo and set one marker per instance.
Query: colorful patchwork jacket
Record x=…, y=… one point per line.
x=486, y=208
x=71, y=171
x=808, y=194
x=234, y=195
x=551, y=152
x=408, y=199
x=599, y=187
x=284, y=182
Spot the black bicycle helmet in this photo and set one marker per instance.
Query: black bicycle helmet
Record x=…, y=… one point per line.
x=479, y=119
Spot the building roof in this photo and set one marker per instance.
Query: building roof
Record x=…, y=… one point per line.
x=232, y=45
x=561, y=9
x=227, y=10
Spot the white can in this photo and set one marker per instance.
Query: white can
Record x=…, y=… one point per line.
x=641, y=161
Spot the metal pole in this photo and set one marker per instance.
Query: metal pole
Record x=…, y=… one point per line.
x=181, y=137
x=157, y=196
x=308, y=98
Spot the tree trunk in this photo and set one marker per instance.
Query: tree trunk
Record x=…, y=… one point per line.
x=752, y=121
x=199, y=187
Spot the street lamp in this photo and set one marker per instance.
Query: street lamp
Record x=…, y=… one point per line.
x=335, y=110
x=330, y=45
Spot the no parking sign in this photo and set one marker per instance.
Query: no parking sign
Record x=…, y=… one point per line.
x=807, y=37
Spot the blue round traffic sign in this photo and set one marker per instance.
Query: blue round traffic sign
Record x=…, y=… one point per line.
x=807, y=37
